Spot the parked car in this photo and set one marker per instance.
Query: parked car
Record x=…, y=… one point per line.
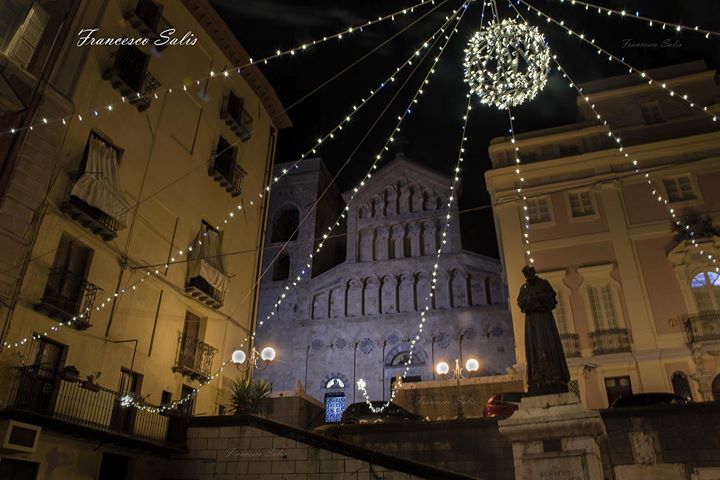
x=503, y=404
x=647, y=399
x=360, y=412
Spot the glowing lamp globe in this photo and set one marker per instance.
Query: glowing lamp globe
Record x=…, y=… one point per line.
x=268, y=354
x=238, y=357
x=507, y=63
x=472, y=365
x=442, y=368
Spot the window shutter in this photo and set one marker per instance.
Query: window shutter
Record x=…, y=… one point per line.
x=26, y=39
x=610, y=314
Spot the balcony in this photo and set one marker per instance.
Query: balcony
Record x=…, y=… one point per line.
x=194, y=359
x=128, y=74
x=66, y=296
x=224, y=170
x=94, y=219
x=610, y=340
x=205, y=293
x=236, y=117
x=146, y=17
x=39, y=394
x=571, y=344
x=703, y=327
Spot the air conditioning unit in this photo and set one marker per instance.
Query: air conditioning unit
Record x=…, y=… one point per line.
x=19, y=437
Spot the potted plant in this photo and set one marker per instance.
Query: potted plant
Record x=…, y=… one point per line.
x=249, y=396
x=70, y=373
x=91, y=382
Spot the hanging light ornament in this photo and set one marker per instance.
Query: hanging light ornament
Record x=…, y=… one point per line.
x=506, y=63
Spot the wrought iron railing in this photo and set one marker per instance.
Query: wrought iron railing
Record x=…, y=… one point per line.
x=610, y=340
x=237, y=118
x=128, y=73
x=703, y=327
x=41, y=390
x=571, y=344
x=94, y=219
x=225, y=170
x=69, y=296
x=194, y=358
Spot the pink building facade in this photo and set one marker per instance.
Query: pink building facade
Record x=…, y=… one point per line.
x=638, y=302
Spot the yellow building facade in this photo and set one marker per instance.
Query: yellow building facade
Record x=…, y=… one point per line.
x=637, y=302
x=132, y=225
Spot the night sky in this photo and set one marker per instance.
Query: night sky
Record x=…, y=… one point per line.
x=432, y=131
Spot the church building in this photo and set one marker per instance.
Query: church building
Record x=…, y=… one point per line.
x=356, y=315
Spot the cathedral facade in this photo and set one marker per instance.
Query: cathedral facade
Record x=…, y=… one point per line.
x=359, y=312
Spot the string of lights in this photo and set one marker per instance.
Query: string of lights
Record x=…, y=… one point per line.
x=183, y=252
x=461, y=11
x=427, y=302
x=525, y=214
x=101, y=109
x=656, y=192
x=651, y=22
x=611, y=57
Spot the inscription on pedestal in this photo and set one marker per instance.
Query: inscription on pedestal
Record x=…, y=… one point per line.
x=558, y=468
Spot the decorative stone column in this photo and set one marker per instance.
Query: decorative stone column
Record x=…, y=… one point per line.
x=555, y=438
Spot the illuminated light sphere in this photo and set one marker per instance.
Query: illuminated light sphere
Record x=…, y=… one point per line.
x=442, y=368
x=507, y=63
x=472, y=365
x=238, y=357
x=268, y=354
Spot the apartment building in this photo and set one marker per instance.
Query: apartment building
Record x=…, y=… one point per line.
x=120, y=158
x=637, y=301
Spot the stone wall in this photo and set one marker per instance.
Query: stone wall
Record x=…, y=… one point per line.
x=252, y=448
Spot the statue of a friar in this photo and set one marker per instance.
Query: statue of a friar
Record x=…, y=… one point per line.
x=547, y=370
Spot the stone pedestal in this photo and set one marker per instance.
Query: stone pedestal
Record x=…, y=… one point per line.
x=555, y=438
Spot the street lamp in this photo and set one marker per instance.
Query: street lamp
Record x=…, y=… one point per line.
x=258, y=360
x=443, y=369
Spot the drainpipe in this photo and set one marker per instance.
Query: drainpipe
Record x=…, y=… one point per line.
x=354, y=365
x=307, y=354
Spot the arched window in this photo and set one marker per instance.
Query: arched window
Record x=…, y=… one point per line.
x=400, y=358
x=285, y=226
x=706, y=290
x=281, y=269
x=716, y=388
x=335, y=382
x=680, y=385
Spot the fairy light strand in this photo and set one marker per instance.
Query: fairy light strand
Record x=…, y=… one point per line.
x=611, y=57
x=654, y=189
x=239, y=207
x=183, y=87
x=652, y=22
x=376, y=159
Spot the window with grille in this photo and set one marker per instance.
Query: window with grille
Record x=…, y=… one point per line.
x=651, y=113
x=706, y=291
x=581, y=204
x=602, y=306
x=679, y=189
x=334, y=407
x=538, y=210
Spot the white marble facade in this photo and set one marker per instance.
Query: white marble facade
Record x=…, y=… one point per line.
x=357, y=319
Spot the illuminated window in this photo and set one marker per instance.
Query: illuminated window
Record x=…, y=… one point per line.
x=334, y=407
x=335, y=383
x=679, y=189
x=706, y=291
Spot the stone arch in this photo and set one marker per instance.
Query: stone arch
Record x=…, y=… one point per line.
x=388, y=294
x=406, y=293
x=429, y=237
x=404, y=197
x=365, y=247
x=337, y=302
x=396, y=249
x=330, y=381
x=413, y=233
x=422, y=290
x=378, y=206
x=429, y=197
x=285, y=225
x=680, y=384
x=354, y=298
x=371, y=296
x=382, y=243
x=320, y=305
x=441, y=294
x=420, y=357
x=364, y=212
x=391, y=200
x=416, y=202
x=458, y=288
x=716, y=388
